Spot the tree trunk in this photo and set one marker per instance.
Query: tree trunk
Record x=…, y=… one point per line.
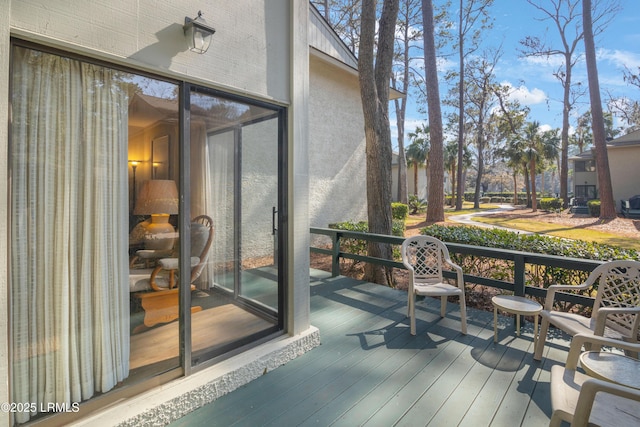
x=374, y=91
x=515, y=188
x=460, y=192
x=534, y=196
x=402, y=158
x=435, y=205
x=607, y=205
x=527, y=184
x=453, y=184
x=480, y=144
x=564, y=151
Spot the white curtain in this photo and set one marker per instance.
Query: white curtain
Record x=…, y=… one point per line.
x=69, y=298
x=212, y=193
x=221, y=161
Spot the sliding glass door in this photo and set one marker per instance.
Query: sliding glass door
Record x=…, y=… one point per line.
x=104, y=270
x=234, y=178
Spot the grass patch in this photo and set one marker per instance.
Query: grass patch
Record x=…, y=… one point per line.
x=564, y=231
x=467, y=208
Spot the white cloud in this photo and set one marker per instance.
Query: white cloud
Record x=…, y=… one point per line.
x=544, y=128
x=410, y=124
x=525, y=96
x=620, y=58
x=553, y=61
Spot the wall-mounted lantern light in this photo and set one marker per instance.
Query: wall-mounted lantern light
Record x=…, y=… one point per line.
x=198, y=33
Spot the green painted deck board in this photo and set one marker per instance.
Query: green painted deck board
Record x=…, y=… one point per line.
x=369, y=370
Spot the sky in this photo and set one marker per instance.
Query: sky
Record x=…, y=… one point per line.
x=537, y=88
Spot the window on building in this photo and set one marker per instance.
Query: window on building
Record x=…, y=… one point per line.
x=585, y=165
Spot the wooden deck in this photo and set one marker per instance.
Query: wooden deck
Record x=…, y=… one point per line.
x=370, y=371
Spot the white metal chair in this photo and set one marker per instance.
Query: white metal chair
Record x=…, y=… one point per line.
x=583, y=400
x=616, y=309
x=424, y=257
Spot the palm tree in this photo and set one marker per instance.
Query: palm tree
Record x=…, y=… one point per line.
x=539, y=147
x=450, y=163
x=418, y=151
x=549, y=150
x=513, y=153
x=531, y=137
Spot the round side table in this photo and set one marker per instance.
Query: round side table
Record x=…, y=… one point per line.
x=518, y=306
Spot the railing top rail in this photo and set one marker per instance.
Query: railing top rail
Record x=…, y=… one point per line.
x=507, y=254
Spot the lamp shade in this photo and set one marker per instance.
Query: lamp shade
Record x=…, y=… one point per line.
x=157, y=196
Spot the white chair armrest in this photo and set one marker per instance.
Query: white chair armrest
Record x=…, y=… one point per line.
x=551, y=292
x=459, y=274
x=578, y=341
x=588, y=393
x=603, y=312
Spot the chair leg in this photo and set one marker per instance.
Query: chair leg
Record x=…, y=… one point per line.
x=412, y=314
x=463, y=316
x=443, y=306
x=542, y=338
x=556, y=420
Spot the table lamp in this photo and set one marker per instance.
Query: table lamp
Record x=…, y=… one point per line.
x=158, y=198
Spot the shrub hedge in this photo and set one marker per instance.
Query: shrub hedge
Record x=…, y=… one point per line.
x=537, y=275
x=399, y=211
x=551, y=204
x=594, y=207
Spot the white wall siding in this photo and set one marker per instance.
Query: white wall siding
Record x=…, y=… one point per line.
x=337, y=146
x=5, y=12
x=323, y=38
x=249, y=52
x=625, y=179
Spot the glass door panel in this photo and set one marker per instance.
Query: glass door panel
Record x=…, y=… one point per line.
x=153, y=178
x=259, y=187
x=233, y=181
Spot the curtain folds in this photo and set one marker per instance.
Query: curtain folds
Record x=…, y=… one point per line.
x=220, y=161
x=212, y=193
x=70, y=311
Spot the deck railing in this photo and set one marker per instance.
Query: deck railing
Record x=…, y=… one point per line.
x=521, y=262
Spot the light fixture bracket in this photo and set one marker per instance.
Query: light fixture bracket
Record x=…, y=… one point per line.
x=198, y=33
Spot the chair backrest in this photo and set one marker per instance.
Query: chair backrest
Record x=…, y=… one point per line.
x=618, y=286
x=201, y=239
x=424, y=256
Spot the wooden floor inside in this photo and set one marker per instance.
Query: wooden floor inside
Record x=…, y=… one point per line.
x=370, y=371
x=213, y=327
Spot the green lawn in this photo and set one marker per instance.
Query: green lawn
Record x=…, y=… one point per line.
x=467, y=208
x=563, y=231
x=539, y=227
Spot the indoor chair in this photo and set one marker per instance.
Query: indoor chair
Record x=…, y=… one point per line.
x=157, y=288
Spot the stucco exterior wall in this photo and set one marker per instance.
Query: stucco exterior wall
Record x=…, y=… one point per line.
x=259, y=52
x=248, y=52
x=5, y=13
x=337, y=162
x=625, y=178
